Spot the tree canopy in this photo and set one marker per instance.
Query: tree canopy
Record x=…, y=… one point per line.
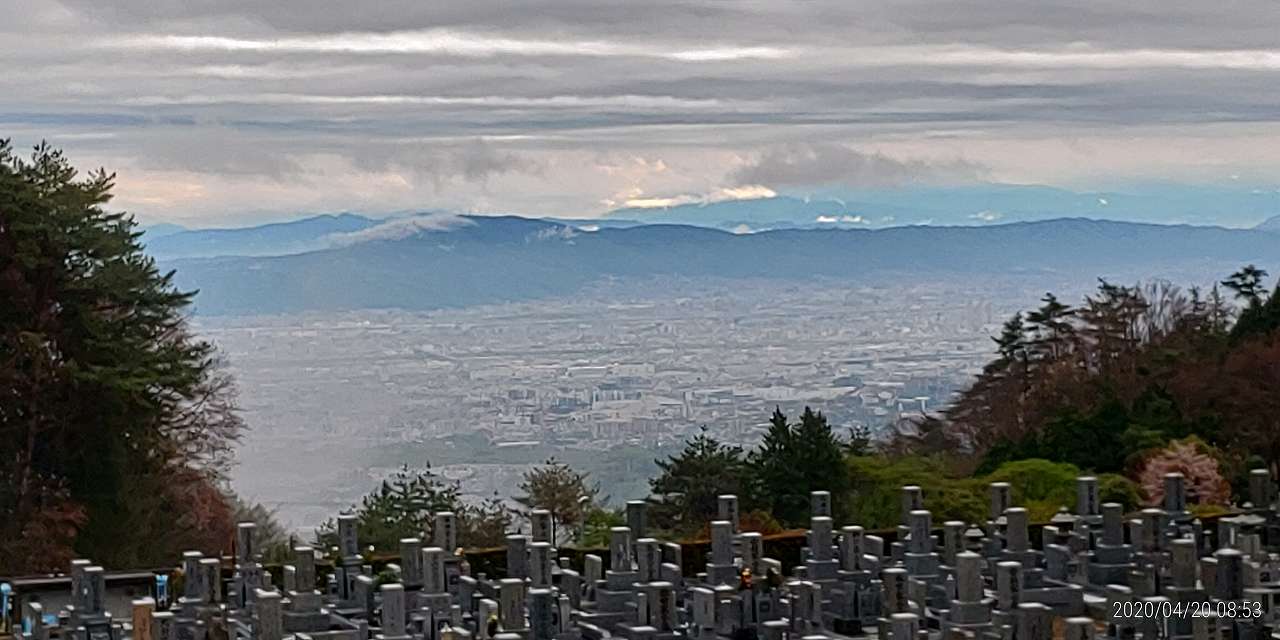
x=794, y=460
x=117, y=423
x=1133, y=368
x=691, y=482
x=558, y=488
x=404, y=506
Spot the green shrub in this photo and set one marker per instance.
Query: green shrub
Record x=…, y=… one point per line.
x=1113, y=487
x=876, y=499
x=1041, y=486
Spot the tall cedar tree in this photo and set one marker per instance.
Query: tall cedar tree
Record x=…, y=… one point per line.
x=695, y=478
x=794, y=460
x=115, y=421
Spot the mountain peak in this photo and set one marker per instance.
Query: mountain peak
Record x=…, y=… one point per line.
x=1271, y=224
x=276, y=238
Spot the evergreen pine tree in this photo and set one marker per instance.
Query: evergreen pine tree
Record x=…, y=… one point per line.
x=695, y=478
x=116, y=422
x=401, y=507
x=821, y=457
x=1051, y=324
x=1247, y=284
x=794, y=460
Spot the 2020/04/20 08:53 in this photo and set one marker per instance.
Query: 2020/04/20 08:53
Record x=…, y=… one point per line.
x=1146, y=609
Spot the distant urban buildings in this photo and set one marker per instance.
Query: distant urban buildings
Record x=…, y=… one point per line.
x=375, y=389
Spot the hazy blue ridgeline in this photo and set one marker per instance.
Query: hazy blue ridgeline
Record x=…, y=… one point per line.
x=480, y=260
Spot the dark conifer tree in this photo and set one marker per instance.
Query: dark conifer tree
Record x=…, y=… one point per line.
x=794, y=460
x=1011, y=344
x=1051, y=325
x=115, y=422
x=694, y=478
x=1247, y=284
x=821, y=457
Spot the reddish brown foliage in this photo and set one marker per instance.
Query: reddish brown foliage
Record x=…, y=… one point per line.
x=207, y=520
x=167, y=511
x=1121, y=345
x=1250, y=391
x=756, y=520
x=45, y=542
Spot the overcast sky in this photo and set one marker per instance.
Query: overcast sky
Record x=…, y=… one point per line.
x=234, y=111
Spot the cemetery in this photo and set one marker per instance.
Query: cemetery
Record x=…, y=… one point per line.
x=1094, y=573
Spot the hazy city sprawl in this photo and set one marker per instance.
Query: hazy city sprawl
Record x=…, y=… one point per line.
x=608, y=381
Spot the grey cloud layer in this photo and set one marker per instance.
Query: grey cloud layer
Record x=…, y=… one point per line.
x=493, y=105
x=828, y=164
x=1137, y=23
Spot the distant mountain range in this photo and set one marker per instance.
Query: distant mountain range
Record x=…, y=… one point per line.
x=454, y=261
x=976, y=205
x=166, y=242
x=971, y=205
x=163, y=229
x=1270, y=224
